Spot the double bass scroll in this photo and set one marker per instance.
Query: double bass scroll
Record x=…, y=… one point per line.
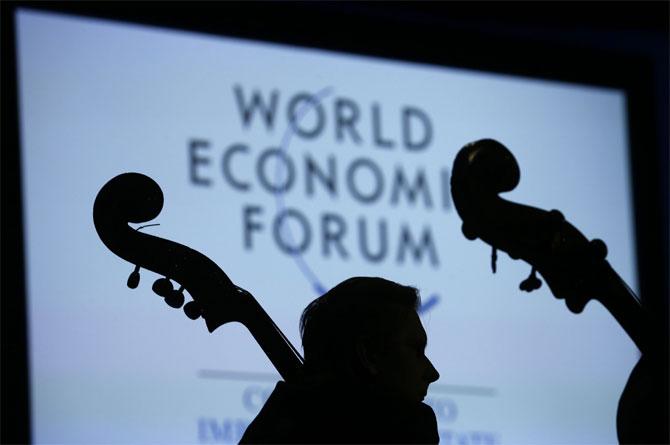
x=574, y=267
x=136, y=198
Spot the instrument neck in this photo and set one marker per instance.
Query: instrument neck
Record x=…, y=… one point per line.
x=624, y=306
x=283, y=355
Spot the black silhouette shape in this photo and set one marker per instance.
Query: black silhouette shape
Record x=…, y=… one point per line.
x=574, y=268
x=366, y=368
x=136, y=198
x=365, y=372
x=365, y=343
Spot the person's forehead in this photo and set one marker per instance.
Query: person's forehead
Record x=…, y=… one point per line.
x=410, y=327
x=417, y=327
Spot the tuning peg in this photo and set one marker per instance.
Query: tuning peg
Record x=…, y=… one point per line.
x=598, y=248
x=192, y=310
x=556, y=216
x=162, y=287
x=576, y=305
x=469, y=232
x=531, y=283
x=134, y=278
x=175, y=298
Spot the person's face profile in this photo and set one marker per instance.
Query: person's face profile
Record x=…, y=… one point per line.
x=402, y=366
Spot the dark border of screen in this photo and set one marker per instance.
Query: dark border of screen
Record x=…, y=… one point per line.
x=451, y=35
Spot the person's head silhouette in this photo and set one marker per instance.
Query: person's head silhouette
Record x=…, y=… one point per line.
x=367, y=330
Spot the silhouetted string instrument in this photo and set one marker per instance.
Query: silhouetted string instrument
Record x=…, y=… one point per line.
x=136, y=198
x=574, y=268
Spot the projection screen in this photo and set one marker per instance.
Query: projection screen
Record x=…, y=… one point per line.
x=293, y=169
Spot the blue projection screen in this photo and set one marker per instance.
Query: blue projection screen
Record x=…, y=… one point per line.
x=294, y=169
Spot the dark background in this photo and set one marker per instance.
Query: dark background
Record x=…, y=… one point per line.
x=616, y=44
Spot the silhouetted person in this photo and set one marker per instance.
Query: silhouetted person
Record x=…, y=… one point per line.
x=365, y=372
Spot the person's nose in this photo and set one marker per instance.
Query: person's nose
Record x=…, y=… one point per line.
x=431, y=373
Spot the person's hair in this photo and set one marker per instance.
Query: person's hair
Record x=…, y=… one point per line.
x=360, y=309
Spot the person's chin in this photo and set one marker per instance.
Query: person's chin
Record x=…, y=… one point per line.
x=419, y=397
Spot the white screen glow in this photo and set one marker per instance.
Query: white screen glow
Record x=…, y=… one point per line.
x=113, y=365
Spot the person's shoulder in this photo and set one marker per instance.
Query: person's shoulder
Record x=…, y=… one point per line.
x=406, y=422
x=292, y=414
x=359, y=415
x=332, y=411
